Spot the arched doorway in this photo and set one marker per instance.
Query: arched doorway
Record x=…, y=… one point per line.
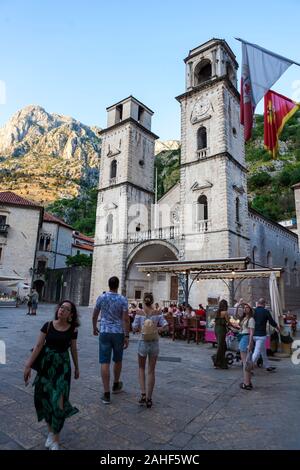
x=164, y=286
x=39, y=286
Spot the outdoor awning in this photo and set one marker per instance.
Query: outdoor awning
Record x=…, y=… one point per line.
x=221, y=265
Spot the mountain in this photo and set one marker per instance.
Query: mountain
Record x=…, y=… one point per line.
x=46, y=156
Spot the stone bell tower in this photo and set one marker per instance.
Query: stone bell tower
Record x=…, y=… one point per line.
x=213, y=172
x=125, y=189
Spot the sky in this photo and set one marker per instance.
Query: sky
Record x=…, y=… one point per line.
x=78, y=57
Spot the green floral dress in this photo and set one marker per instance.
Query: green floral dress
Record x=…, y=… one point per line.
x=53, y=379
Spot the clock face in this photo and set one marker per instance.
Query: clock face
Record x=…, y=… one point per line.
x=200, y=108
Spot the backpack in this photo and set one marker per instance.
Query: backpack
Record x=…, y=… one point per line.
x=149, y=330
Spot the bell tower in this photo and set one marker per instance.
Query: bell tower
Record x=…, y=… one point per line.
x=125, y=191
x=213, y=171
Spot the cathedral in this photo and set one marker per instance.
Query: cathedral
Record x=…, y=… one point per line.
x=205, y=216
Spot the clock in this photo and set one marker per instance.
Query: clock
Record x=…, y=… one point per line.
x=200, y=108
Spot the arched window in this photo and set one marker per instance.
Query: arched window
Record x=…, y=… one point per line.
x=201, y=138
x=254, y=255
x=202, y=211
x=287, y=272
x=269, y=259
x=202, y=72
x=109, y=224
x=41, y=243
x=230, y=72
x=237, y=209
x=48, y=244
x=113, y=169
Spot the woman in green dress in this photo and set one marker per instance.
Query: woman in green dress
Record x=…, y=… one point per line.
x=53, y=378
x=221, y=328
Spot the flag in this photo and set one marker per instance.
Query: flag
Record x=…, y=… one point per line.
x=278, y=110
x=260, y=70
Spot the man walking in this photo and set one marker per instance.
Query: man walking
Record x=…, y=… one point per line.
x=262, y=316
x=114, y=335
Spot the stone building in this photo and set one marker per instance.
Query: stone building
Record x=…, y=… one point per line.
x=57, y=241
x=205, y=216
x=20, y=223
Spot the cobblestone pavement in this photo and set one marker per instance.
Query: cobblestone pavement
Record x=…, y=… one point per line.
x=195, y=406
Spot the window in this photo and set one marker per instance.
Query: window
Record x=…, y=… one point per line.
x=41, y=244
x=41, y=267
x=202, y=211
x=77, y=252
x=119, y=113
x=138, y=294
x=113, y=169
x=0, y=253
x=269, y=259
x=254, y=255
x=2, y=219
x=296, y=277
x=141, y=114
x=287, y=272
x=48, y=244
x=201, y=138
x=230, y=72
x=237, y=210
x=109, y=224
x=202, y=72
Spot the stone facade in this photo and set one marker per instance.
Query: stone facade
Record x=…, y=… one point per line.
x=68, y=283
x=18, y=244
x=205, y=216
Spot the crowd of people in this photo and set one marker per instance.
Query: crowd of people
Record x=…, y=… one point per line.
x=112, y=322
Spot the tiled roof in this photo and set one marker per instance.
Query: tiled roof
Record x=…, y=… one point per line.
x=8, y=197
x=56, y=220
x=80, y=236
x=83, y=247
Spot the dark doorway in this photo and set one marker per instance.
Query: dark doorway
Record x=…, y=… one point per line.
x=174, y=288
x=39, y=286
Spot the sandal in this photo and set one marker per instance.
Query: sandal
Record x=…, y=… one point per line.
x=245, y=387
x=149, y=402
x=142, y=400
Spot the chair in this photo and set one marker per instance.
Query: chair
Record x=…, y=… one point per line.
x=195, y=328
x=178, y=328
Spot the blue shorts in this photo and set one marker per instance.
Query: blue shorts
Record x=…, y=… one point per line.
x=244, y=342
x=109, y=342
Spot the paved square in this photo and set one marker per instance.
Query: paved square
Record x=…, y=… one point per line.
x=195, y=406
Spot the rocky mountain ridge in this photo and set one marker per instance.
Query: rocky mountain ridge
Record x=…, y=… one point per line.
x=46, y=156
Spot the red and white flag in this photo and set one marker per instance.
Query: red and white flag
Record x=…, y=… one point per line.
x=260, y=70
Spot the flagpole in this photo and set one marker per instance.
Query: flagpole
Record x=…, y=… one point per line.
x=267, y=51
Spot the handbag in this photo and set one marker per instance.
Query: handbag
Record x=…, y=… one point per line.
x=36, y=365
x=249, y=362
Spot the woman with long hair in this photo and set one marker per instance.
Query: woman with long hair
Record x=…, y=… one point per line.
x=247, y=326
x=53, y=378
x=149, y=322
x=221, y=328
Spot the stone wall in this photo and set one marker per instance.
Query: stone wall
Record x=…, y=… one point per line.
x=68, y=283
x=274, y=246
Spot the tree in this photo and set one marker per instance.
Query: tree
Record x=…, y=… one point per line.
x=79, y=260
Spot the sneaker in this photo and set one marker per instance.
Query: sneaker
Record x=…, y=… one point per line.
x=106, y=398
x=49, y=440
x=117, y=387
x=54, y=446
x=270, y=369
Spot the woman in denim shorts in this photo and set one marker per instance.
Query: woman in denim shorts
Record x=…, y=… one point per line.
x=145, y=320
x=247, y=326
